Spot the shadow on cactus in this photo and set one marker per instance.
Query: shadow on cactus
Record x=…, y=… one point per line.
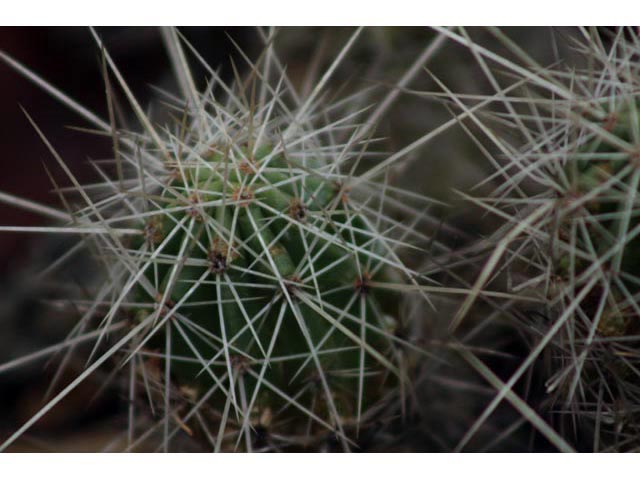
x=253, y=278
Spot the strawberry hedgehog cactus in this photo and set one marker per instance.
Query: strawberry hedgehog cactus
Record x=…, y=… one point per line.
x=253, y=294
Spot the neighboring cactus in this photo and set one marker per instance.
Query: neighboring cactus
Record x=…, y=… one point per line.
x=569, y=195
x=597, y=236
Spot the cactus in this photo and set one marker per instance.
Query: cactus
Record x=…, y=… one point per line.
x=253, y=282
x=272, y=276
x=604, y=181
x=568, y=200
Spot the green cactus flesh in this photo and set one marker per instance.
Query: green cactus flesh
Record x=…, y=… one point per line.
x=271, y=270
